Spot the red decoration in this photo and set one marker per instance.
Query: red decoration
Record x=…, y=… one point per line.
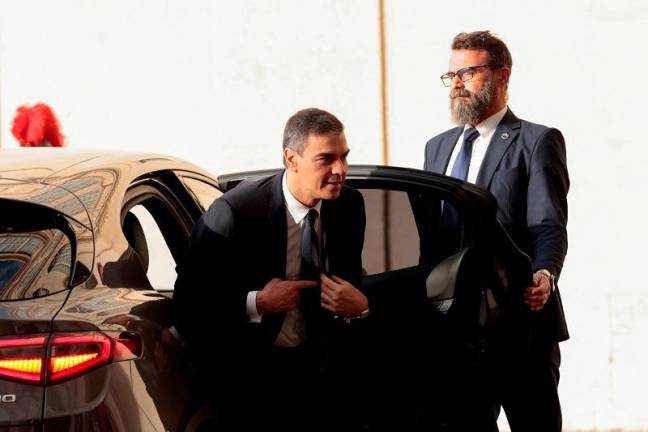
x=36, y=127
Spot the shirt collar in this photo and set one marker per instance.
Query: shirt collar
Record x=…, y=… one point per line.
x=296, y=209
x=487, y=127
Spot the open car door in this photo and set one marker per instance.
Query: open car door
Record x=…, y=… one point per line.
x=436, y=291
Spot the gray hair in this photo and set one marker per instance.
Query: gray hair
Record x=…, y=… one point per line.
x=309, y=121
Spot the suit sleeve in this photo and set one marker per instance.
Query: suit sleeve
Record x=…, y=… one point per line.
x=427, y=156
x=202, y=292
x=547, y=202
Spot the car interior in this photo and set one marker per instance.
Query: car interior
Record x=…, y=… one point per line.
x=134, y=234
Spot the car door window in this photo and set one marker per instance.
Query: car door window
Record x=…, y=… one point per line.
x=160, y=265
x=404, y=230
x=156, y=224
x=391, y=238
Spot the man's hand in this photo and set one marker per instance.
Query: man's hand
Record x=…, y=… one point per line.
x=281, y=295
x=537, y=295
x=342, y=298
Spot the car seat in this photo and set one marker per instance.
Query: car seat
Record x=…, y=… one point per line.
x=134, y=234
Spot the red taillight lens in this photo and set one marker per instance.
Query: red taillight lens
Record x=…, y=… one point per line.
x=64, y=355
x=74, y=354
x=22, y=358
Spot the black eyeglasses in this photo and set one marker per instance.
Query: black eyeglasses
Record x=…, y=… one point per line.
x=465, y=74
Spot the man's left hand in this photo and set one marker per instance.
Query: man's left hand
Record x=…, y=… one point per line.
x=342, y=298
x=537, y=295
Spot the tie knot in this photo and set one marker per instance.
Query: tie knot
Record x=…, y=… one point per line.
x=311, y=217
x=462, y=163
x=470, y=135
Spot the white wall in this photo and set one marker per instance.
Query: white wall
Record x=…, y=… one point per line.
x=209, y=81
x=573, y=66
x=214, y=81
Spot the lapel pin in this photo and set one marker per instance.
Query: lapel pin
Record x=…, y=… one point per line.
x=505, y=135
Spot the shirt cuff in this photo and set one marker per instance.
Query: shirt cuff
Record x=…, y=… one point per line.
x=251, y=309
x=363, y=315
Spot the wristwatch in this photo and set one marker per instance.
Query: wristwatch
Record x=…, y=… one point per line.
x=364, y=314
x=551, y=276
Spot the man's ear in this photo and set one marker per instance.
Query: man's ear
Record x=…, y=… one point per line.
x=505, y=75
x=290, y=156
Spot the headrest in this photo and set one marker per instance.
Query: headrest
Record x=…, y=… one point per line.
x=441, y=282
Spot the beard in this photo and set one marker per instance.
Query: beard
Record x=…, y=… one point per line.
x=471, y=111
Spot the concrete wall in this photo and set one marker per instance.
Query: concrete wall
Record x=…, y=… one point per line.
x=214, y=81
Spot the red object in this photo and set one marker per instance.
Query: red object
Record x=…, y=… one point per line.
x=37, y=127
x=38, y=359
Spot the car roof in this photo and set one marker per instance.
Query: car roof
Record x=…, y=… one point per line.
x=39, y=164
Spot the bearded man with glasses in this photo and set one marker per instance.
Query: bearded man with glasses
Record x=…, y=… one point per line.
x=524, y=166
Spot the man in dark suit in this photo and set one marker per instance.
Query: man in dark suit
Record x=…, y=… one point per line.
x=269, y=284
x=524, y=166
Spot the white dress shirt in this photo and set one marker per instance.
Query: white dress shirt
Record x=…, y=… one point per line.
x=486, y=131
x=292, y=330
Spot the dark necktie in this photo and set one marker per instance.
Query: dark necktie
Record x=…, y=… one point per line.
x=310, y=250
x=310, y=270
x=462, y=163
x=449, y=215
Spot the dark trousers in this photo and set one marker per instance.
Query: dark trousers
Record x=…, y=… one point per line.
x=288, y=399
x=528, y=389
x=520, y=377
x=288, y=389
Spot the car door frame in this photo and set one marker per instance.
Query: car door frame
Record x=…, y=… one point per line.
x=177, y=202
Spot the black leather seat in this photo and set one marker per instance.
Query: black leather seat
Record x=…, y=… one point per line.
x=135, y=235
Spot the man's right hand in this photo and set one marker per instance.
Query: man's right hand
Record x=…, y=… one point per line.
x=281, y=295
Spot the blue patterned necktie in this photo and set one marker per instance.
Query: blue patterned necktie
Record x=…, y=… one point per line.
x=462, y=163
x=449, y=215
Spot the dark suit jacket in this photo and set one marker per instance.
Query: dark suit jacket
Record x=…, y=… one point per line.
x=525, y=168
x=239, y=245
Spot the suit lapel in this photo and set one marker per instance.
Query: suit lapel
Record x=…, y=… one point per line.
x=278, y=227
x=440, y=163
x=277, y=215
x=325, y=238
x=505, y=134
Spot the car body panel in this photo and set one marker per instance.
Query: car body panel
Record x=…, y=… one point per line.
x=96, y=183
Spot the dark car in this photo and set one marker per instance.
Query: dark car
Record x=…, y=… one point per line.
x=88, y=247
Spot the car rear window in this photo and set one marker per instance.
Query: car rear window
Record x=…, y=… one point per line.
x=34, y=263
x=38, y=248
x=8, y=269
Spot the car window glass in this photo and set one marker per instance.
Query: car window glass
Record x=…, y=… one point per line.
x=405, y=229
x=8, y=269
x=391, y=237
x=160, y=267
x=34, y=263
x=203, y=192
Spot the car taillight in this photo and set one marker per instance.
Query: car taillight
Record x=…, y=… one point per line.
x=43, y=360
x=74, y=354
x=21, y=359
